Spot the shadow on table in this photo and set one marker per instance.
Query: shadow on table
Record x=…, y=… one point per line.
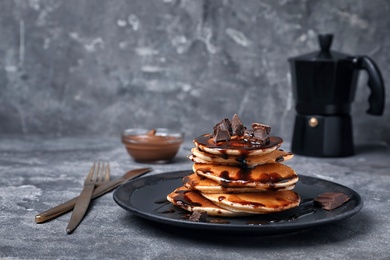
x=375, y=148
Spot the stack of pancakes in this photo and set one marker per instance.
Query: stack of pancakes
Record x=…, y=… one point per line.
x=237, y=172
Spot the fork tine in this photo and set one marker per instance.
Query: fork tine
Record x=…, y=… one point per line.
x=100, y=172
x=91, y=172
x=107, y=175
x=103, y=172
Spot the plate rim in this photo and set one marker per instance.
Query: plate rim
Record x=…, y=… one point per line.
x=285, y=227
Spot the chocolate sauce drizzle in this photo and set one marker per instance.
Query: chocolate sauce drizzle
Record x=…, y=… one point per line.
x=241, y=145
x=306, y=208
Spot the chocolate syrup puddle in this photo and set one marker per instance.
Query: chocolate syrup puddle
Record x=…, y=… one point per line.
x=301, y=214
x=306, y=208
x=307, y=204
x=258, y=222
x=219, y=221
x=163, y=203
x=168, y=211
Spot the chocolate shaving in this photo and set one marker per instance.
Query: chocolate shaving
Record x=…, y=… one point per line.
x=331, y=200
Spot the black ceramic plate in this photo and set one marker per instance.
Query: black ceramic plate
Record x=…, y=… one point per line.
x=146, y=197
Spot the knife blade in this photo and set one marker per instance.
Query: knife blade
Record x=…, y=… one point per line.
x=99, y=191
x=82, y=204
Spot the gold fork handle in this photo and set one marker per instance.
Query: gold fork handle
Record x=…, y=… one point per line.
x=81, y=207
x=69, y=205
x=56, y=211
x=100, y=190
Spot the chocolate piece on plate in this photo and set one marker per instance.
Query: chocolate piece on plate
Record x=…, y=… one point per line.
x=331, y=200
x=237, y=127
x=198, y=216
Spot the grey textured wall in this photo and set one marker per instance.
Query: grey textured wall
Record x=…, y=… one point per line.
x=97, y=67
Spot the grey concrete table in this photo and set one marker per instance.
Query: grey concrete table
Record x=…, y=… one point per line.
x=37, y=173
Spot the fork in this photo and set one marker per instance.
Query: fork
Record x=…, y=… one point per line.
x=98, y=173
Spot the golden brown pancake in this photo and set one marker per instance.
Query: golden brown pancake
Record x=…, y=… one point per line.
x=237, y=146
x=237, y=171
x=206, y=185
x=259, y=202
x=266, y=176
x=278, y=155
x=192, y=200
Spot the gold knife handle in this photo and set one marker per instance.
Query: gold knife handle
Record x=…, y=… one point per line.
x=69, y=205
x=80, y=208
x=56, y=211
x=100, y=190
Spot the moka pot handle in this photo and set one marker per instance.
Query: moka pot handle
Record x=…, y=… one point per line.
x=375, y=83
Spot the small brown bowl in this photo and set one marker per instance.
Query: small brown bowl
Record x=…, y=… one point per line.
x=151, y=146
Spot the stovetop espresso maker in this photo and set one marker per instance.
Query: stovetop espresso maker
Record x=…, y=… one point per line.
x=324, y=84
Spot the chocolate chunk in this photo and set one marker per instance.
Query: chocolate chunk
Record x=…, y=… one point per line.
x=227, y=130
x=221, y=135
x=260, y=127
x=260, y=137
x=237, y=126
x=223, y=125
x=222, y=131
x=260, y=133
x=331, y=200
x=198, y=216
x=248, y=134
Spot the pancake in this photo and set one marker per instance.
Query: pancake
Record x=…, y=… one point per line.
x=192, y=200
x=258, y=203
x=237, y=171
x=237, y=146
x=278, y=155
x=265, y=177
x=206, y=185
x=196, y=159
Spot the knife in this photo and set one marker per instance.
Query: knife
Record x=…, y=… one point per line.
x=98, y=174
x=99, y=191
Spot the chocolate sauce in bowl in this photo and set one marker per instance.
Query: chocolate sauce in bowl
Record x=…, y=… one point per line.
x=160, y=145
